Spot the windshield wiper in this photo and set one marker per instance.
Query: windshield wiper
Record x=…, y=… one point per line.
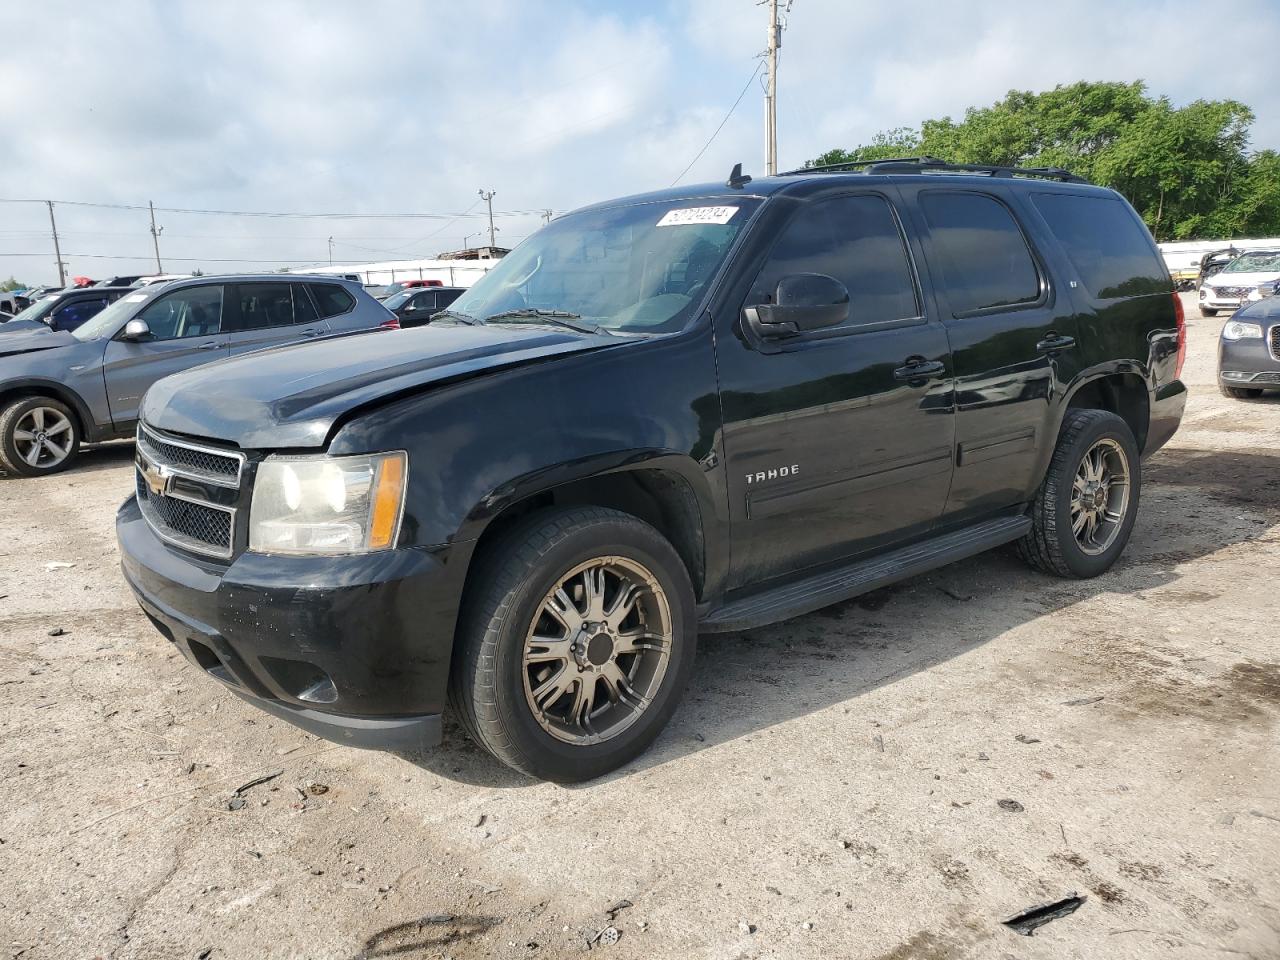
x=559, y=318
x=455, y=315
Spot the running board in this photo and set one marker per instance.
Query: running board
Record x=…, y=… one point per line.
x=833, y=586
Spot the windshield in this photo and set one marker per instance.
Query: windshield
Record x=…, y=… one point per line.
x=1255, y=263
x=637, y=269
x=106, y=323
x=398, y=299
x=38, y=309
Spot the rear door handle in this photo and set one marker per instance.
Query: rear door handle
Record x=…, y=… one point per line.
x=1054, y=343
x=918, y=370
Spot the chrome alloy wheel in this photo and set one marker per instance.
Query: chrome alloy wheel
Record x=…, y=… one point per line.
x=1100, y=496
x=597, y=650
x=43, y=437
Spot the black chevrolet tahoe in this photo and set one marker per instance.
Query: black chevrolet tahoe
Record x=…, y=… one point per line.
x=696, y=410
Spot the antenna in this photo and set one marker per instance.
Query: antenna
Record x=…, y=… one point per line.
x=737, y=179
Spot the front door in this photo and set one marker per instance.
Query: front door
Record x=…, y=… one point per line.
x=1012, y=340
x=186, y=331
x=270, y=314
x=839, y=440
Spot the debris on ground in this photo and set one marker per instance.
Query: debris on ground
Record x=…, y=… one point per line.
x=480, y=821
x=57, y=632
x=1013, y=806
x=1028, y=921
x=236, y=803
x=58, y=565
x=614, y=909
x=1082, y=702
x=747, y=928
x=962, y=597
x=317, y=789
x=258, y=781
x=431, y=918
x=608, y=936
x=878, y=742
x=1264, y=816
x=1023, y=738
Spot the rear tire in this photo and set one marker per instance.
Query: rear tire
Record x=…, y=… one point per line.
x=1240, y=393
x=38, y=436
x=1084, y=512
x=545, y=685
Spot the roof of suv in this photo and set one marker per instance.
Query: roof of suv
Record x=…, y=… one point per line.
x=804, y=181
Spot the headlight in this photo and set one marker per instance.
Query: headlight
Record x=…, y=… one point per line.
x=1238, y=330
x=1204, y=292
x=328, y=505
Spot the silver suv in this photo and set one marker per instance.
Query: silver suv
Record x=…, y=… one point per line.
x=58, y=388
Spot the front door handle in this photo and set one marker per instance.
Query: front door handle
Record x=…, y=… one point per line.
x=917, y=370
x=309, y=332
x=212, y=346
x=1054, y=343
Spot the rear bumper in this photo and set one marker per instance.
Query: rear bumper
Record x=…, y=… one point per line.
x=1167, y=406
x=352, y=649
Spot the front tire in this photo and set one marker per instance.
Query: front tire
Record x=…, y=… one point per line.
x=38, y=436
x=1084, y=511
x=576, y=645
x=1240, y=393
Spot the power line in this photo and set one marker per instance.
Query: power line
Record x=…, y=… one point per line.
x=276, y=214
x=698, y=157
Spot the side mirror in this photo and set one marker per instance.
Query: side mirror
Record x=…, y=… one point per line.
x=136, y=330
x=804, y=302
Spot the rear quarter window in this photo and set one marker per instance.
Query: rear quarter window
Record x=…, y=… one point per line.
x=1106, y=243
x=331, y=299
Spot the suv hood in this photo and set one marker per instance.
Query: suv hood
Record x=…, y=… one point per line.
x=292, y=396
x=24, y=336
x=1242, y=279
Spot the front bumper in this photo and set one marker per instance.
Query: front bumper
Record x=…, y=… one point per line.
x=1249, y=363
x=353, y=649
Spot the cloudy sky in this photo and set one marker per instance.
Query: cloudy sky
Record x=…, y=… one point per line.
x=411, y=106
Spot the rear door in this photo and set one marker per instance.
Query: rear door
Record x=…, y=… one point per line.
x=269, y=314
x=1013, y=340
x=186, y=331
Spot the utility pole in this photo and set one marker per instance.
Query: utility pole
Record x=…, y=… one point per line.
x=57, y=250
x=331, y=251
x=547, y=215
x=487, y=197
x=771, y=95
x=155, y=235
x=466, y=240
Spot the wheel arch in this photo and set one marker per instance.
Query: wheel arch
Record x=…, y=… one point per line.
x=1120, y=390
x=15, y=390
x=665, y=490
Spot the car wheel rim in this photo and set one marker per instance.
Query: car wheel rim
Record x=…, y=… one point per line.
x=43, y=437
x=597, y=650
x=1100, y=496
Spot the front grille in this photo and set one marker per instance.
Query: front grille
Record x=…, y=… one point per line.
x=1233, y=292
x=201, y=460
x=182, y=492
x=1266, y=378
x=1274, y=341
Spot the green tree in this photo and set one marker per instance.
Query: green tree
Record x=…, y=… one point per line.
x=12, y=284
x=1187, y=170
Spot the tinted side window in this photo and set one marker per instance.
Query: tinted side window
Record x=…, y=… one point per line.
x=446, y=297
x=264, y=305
x=304, y=310
x=190, y=312
x=984, y=257
x=77, y=312
x=1106, y=244
x=857, y=241
x=331, y=299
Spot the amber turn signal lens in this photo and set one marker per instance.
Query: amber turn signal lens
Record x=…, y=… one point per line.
x=388, y=496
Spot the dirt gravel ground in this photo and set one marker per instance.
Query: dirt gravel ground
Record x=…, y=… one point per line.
x=829, y=789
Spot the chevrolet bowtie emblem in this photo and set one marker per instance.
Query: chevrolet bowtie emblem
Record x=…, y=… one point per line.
x=157, y=479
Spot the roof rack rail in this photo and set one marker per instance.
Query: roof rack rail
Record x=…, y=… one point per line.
x=933, y=164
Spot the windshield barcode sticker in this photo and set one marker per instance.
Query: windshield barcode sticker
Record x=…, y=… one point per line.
x=686, y=215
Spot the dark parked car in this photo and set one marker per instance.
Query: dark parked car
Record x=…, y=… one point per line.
x=65, y=310
x=416, y=307
x=400, y=285
x=60, y=387
x=702, y=409
x=1249, y=349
